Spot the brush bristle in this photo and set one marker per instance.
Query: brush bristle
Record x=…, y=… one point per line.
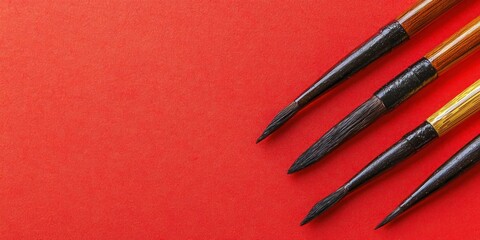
x=357, y=120
x=280, y=119
x=389, y=218
x=325, y=204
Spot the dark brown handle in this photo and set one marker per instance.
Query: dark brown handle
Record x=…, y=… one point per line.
x=458, y=46
x=422, y=13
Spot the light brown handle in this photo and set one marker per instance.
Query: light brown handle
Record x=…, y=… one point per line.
x=458, y=109
x=422, y=13
x=457, y=47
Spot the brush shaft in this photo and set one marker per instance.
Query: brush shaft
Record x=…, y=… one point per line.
x=410, y=22
x=422, y=13
x=408, y=145
x=378, y=45
x=458, y=109
x=406, y=83
x=457, y=47
x=464, y=159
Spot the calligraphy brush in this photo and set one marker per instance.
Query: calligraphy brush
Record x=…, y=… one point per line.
x=404, y=85
x=390, y=36
x=464, y=159
x=454, y=112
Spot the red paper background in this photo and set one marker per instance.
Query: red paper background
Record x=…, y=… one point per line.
x=137, y=120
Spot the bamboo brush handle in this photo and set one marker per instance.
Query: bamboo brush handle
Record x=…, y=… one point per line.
x=456, y=47
x=458, y=109
x=422, y=13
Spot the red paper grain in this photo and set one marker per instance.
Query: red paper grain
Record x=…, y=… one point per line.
x=138, y=120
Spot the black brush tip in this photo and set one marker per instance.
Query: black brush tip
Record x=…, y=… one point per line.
x=292, y=169
x=282, y=117
x=303, y=161
x=324, y=204
x=357, y=120
x=307, y=219
x=263, y=136
x=389, y=218
x=385, y=221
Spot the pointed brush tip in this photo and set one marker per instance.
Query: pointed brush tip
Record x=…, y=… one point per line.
x=299, y=164
x=264, y=135
x=324, y=204
x=381, y=224
x=389, y=218
x=281, y=118
x=310, y=216
x=293, y=169
x=305, y=221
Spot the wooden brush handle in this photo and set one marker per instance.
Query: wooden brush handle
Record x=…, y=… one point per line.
x=458, y=46
x=422, y=13
x=457, y=110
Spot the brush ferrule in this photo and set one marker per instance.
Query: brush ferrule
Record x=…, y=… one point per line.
x=407, y=83
x=378, y=45
x=421, y=135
